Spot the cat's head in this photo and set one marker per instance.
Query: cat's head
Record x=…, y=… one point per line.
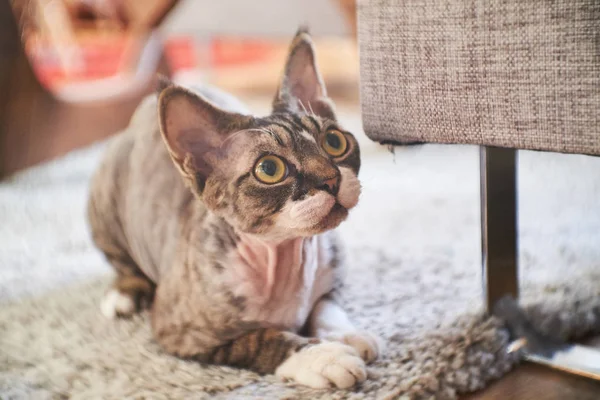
x=292, y=173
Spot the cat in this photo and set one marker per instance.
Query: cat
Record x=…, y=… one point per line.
x=222, y=223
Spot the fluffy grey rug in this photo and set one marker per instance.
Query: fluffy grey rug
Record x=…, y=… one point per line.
x=414, y=278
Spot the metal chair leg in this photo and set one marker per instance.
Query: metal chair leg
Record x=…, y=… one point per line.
x=498, y=223
x=500, y=273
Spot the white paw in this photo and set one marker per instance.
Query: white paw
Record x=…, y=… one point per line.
x=116, y=304
x=367, y=345
x=324, y=365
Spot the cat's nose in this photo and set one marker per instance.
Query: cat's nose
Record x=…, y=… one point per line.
x=331, y=185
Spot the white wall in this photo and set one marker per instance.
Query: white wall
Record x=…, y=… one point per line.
x=255, y=17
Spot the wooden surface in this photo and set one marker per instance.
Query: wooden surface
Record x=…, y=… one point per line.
x=535, y=382
x=348, y=8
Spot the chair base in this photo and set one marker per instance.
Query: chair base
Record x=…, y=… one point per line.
x=542, y=349
x=500, y=270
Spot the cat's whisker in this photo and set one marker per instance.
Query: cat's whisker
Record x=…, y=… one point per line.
x=227, y=142
x=302, y=105
x=236, y=134
x=267, y=131
x=311, y=110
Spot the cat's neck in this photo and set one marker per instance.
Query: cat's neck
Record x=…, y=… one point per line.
x=272, y=248
x=272, y=260
x=259, y=240
x=278, y=280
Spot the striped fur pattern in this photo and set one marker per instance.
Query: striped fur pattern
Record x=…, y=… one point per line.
x=232, y=267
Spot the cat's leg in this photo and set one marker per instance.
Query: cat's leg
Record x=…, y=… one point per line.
x=328, y=320
x=309, y=362
x=132, y=290
x=129, y=294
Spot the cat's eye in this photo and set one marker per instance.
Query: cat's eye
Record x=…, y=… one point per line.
x=270, y=169
x=335, y=143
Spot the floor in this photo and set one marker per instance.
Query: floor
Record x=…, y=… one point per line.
x=528, y=381
x=534, y=382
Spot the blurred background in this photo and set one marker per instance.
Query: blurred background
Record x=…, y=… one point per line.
x=73, y=71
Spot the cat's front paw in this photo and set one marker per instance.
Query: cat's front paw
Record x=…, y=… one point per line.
x=324, y=365
x=366, y=344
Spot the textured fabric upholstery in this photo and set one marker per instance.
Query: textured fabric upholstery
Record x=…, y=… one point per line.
x=508, y=73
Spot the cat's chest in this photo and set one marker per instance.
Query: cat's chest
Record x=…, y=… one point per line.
x=279, y=284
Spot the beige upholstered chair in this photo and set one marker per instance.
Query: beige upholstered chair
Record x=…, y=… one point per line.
x=505, y=75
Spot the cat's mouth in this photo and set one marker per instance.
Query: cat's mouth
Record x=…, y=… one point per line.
x=316, y=214
x=336, y=216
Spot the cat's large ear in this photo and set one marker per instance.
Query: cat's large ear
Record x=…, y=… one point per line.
x=302, y=87
x=194, y=130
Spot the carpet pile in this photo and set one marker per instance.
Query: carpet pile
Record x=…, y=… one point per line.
x=413, y=278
